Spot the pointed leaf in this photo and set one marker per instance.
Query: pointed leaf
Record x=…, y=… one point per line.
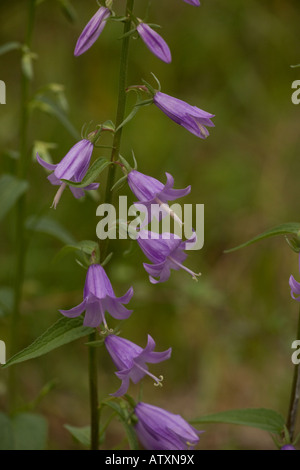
x=261, y=418
x=11, y=189
x=30, y=431
x=50, y=227
x=47, y=105
x=283, y=229
x=93, y=172
x=62, y=332
x=86, y=246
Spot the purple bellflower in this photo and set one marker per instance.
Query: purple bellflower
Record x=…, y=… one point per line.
x=155, y=43
x=131, y=360
x=72, y=167
x=166, y=251
x=196, y=3
x=92, y=31
x=158, y=429
x=192, y=118
x=98, y=297
x=287, y=447
x=153, y=194
x=295, y=286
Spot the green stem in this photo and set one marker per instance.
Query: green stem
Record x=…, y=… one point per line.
x=295, y=394
x=93, y=384
x=20, y=209
x=94, y=410
x=121, y=103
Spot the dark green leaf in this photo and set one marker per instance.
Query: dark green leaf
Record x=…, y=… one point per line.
x=11, y=189
x=93, y=172
x=261, y=418
x=283, y=229
x=88, y=247
x=50, y=227
x=62, y=332
x=6, y=433
x=47, y=105
x=30, y=431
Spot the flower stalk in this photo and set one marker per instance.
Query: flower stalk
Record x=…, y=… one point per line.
x=20, y=239
x=295, y=394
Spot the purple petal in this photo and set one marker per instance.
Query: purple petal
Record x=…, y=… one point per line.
x=116, y=309
x=48, y=166
x=155, y=43
x=91, y=186
x=92, y=31
x=144, y=187
x=75, y=311
x=169, y=194
x=75, y=163
x=97, y=283
x=196, y=3
x=93, y=315
x=77, y=192
x=123, y=389
x=53, y=180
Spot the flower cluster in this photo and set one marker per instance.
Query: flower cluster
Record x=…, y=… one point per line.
x=156, y=428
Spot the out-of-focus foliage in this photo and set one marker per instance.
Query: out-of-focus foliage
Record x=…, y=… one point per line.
x=231, y=332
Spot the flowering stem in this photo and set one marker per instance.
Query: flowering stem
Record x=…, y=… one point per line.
x=20, y=208
x=93, y=393
x=121, y=103
x=108, y=197
x=295, y=394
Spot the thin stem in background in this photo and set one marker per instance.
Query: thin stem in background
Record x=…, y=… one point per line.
x=295, y=394
x=93, y=369
x=20, y=241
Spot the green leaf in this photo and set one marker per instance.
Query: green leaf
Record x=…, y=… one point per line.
x=9, y=46
x=87, y=247
x=50, y=227
x=93, y=172
x=283, y=229
x=48, y=106
x=6, y=433
x=64, y=331
x=81, y=434
x=30, y=431
x=131, y=436
x=24, y=431
x=261, y=418
x=11, y=189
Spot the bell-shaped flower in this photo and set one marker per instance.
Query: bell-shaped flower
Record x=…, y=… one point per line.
x=196, y=3
x=155, y=43
x=158, y=429
x=72, y=167
x=152, y=194
x=295, y=286
x=166, y=251
x=130, y=360
x=99, y=297
x=192, y=118
x=92, y=31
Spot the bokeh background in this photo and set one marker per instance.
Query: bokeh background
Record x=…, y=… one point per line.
x=231, y=332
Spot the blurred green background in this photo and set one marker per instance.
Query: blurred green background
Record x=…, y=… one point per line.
x=231, y=332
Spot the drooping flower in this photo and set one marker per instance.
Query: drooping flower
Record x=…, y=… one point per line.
x=155, y=43
x=196, y=3
x=131, y=360
x=99, y=297
x=153, y=194
x=158, y=429
x=73, y=167
x=192, y=118
x=166, y=251
x=295, y=286
x=92, y=31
